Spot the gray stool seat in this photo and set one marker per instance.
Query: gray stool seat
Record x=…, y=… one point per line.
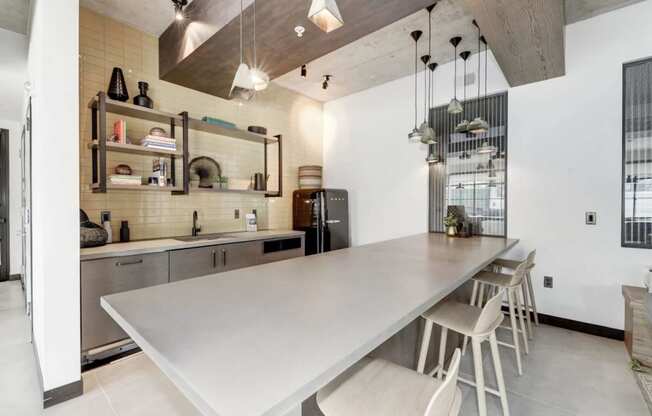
x=460, y=317
x=376, y=387
x=495, y=279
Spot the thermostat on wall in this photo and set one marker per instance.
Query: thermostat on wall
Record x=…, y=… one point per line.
x=591, y=218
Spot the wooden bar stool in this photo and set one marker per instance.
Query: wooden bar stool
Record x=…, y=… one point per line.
x=530, y=300
x=478, y=323
x=376, y=387
x=512, y=285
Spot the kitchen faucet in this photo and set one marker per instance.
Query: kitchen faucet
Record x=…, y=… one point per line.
x=195, y=228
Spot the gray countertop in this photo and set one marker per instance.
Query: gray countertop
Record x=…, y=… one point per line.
x=166, y=244
x=260, y=340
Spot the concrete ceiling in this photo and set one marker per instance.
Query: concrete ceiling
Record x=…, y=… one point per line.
x=14, y=15
x=149, y=16
x=386, y=54
x=577, y=10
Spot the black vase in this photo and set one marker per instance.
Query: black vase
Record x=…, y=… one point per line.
x=118, y=87
x=142, y=99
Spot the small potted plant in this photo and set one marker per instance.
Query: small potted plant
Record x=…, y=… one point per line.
x=223, y=182
x=450, y=221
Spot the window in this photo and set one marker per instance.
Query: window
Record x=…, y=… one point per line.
x=637, y=155
x=475, y=181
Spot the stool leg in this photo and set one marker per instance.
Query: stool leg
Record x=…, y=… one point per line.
x=481, y=295
x=519, y=310
x=498, y=369
x=442, y=352
x=425, y=343
x=479, y=376
x=533, y=301
x=512, y=318
x=526, y=307
x=474, y=295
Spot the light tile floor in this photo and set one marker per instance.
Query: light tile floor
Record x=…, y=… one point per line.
x=566, y=373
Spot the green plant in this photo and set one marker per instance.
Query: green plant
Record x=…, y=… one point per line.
x=223, y=179
x=450, y=220
x=638, y=367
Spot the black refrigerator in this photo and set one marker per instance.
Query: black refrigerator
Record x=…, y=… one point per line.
x=324, y=216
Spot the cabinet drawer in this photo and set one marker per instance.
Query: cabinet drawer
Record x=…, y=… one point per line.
x=194, y=262
x=114, y=275
x=282, y=249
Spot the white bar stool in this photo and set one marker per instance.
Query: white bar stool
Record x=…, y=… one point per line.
x=530, y=300
x=376, y=387
x=512, y=284
x=478, y=323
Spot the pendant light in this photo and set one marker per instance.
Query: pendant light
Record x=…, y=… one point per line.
x=479, y=125
x=242, y=87
x=455, y=107
x=415, y=134
x=326, y=15
x=463, y=126
x=485, y=148
x=178, y=8
x=259, y=78
x=428, y=134
x=433, y=156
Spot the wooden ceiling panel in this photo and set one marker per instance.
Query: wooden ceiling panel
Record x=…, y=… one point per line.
x=526, y=36
x=200, y=56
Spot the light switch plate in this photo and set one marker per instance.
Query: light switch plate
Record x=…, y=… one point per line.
x=591, y=218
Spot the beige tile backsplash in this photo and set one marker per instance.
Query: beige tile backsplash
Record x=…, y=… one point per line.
x=106, y=43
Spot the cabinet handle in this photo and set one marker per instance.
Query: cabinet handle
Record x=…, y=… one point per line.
x=214, y=259
x=128, y=263
x=223, y=257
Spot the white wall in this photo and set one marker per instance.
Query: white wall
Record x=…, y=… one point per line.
x=565, y=149
x=366, y=151
x=54, y=76
x=564, y=159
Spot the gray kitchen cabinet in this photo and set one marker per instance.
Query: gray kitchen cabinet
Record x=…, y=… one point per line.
x=239, y=255
x=114, y=275
x=194, y=262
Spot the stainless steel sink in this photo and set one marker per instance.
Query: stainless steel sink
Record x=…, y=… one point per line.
x=203, y=237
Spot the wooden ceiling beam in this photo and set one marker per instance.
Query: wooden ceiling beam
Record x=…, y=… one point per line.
x=203, y=53
x=525, y=36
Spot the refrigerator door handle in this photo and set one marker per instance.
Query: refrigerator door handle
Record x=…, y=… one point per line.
x=333, y=221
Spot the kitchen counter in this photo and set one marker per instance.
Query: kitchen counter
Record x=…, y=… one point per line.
x=166, y=244
x=260, y=340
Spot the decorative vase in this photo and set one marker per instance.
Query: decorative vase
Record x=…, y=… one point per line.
x=118, y=87
x=452, y=231
x=142, y=99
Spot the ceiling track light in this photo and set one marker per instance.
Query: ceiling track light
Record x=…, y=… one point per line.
x=325, y=14
x=304, y=71
x=455, y=107
x=178, y=8
x=463, y=126
x=324, y=84
x=415, y=134
x=479, y=125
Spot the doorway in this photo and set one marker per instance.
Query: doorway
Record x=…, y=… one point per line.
x=26, y=207
x=4, y=205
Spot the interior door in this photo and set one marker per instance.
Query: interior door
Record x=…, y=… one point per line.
x=26, y=207
x=4, y=205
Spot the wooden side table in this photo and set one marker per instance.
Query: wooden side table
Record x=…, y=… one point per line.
x=638, y=327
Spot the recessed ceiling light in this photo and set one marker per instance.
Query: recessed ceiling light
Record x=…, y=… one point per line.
x=299, y=31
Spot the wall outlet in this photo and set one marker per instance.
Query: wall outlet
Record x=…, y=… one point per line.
x=547, y=282
x=236, y=214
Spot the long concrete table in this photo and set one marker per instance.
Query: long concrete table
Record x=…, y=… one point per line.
x=259, y=341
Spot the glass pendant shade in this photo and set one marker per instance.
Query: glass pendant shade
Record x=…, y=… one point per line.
x=259, y=79
x=326, y=15
x=242, y=86
x=462, y=127
x=486, y=149
x=478, y=126
x=432, y=159
x=427, y=134
x=455, y=106
x=415, y=135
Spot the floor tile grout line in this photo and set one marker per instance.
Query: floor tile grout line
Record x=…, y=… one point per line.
x=106, y=395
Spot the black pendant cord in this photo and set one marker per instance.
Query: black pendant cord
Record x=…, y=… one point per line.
x=415, y=84
x=486, y=109
x=241, y=45
x=464, y=84
x=429, y=53
x=477, y=107
x=255, y=54
x=455, y=76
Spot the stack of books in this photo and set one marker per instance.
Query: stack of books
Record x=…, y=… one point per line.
x=159, y=142
x=133, y=180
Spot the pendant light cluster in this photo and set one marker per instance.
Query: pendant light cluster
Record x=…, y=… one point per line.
x=463, y=126
x=248, y=80
x=480, y=125
x=415, y=135
x=455, y=107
